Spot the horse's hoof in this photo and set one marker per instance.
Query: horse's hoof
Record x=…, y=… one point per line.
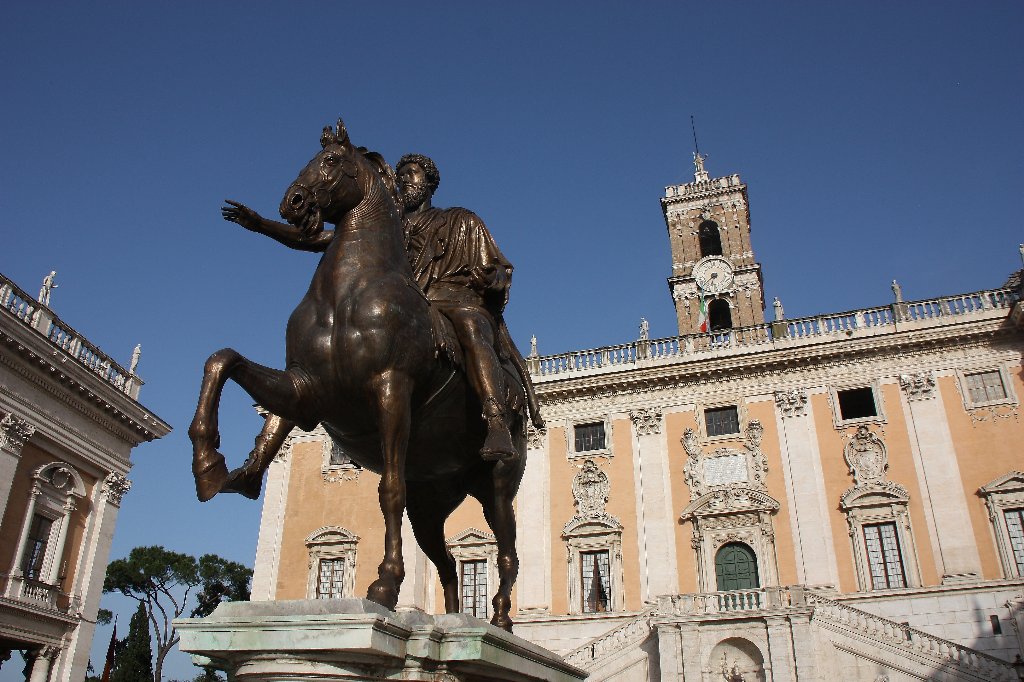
x=241, y=481
x=210, y=473
x=383, y=593
x=503, y=622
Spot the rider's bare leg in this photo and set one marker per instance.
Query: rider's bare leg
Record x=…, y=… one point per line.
x=248, y=478
x=393, y=392
x=476, y=335
x=277, y=391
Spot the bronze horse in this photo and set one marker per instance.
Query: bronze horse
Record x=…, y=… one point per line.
x=362, y=360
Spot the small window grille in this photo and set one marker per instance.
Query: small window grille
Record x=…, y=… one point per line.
x=885, y=560
x=589, y=437
x=331, y=579
x=594, y=581
x=473, y=588
x=857, y=403
x=721, y=421
x=986, y=386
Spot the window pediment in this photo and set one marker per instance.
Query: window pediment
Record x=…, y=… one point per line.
x=331, y=535
x=874, y=495
x=472, y=536
x=1012, y=482
x=594, y=525
x=730, y=501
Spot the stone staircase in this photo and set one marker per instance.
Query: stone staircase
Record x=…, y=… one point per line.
x=630, y=634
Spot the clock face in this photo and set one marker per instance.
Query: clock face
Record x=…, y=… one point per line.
x=713, y=274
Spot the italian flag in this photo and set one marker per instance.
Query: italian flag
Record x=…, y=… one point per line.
x=702, y=317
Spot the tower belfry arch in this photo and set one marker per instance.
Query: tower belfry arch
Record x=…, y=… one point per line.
x=708, y=223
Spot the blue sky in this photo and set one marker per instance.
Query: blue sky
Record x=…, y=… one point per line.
x=879, y=140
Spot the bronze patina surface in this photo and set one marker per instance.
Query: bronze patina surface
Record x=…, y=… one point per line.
x=370, y=356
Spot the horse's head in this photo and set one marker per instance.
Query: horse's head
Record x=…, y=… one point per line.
x=330, y=185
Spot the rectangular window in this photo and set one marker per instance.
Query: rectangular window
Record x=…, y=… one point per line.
x=589, y=437
x=1015, y=525
x=986, y=386
x=473, y=588
x=35, y=547
x=857, y=403
x=884, y=558
x=331, y=579
x=721, y=421
x=594, y=581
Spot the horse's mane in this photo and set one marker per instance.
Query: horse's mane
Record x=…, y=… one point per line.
x=387, y=173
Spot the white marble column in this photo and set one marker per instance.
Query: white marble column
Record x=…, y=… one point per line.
x=805, y=488
x=42, y=663
x=533, y=527
x=939, y=477
x=655, y=513
x=26, y=526
x=88, y=586
x=268, y=544
x=14, y=433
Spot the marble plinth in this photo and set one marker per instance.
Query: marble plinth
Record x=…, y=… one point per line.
x=358, y=640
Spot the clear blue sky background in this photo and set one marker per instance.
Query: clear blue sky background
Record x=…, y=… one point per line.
x=879, y=140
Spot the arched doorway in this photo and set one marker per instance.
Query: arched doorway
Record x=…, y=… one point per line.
x=736, y=568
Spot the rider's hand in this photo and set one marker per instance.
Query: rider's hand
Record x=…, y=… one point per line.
x=241, y=214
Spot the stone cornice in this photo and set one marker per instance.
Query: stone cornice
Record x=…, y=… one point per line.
x=31, y=356
x=764, y=361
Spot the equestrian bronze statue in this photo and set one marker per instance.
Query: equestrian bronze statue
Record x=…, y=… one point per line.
x=378, y=364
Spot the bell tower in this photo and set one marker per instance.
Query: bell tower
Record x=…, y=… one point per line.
x=716, y=283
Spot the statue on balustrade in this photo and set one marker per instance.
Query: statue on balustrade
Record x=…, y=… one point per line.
x=375, y=351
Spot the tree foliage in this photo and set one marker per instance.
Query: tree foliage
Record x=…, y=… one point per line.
x=134, y=658
x=164, y=582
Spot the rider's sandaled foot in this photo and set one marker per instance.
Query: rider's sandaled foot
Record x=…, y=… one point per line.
x=498, y=444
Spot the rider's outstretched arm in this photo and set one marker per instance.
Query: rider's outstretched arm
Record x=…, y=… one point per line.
x=286, y=234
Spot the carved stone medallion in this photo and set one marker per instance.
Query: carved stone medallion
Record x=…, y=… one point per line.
x=866, y=456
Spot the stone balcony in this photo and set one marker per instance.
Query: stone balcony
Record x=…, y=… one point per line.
x=39, y=317
x=786, y=334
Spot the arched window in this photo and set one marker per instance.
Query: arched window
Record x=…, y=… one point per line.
x=736, y=568
x=710, y=239
x=719, y=315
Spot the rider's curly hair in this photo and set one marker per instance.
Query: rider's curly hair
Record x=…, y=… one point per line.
x=424, y=162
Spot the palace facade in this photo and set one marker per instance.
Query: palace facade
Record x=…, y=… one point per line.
x=830, y=497
x=69, y=418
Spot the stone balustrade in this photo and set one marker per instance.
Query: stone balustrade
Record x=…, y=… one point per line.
x=628, y=634
x=711, y=185
x=787, y=333
x=39, y=317
x=867, y=624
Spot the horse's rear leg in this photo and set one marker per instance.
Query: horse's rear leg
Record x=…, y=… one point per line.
x=428, y=507
x=392, y=392
x=496, y=494
x=248, y=478
x=275, y=390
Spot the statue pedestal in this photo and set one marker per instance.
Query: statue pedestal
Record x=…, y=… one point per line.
x=358, y=640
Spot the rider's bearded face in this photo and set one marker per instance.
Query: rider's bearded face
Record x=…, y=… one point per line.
x=412, y=182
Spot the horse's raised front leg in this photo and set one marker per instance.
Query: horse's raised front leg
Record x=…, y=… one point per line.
x=247, y=479
x=393, y=391
x=275, y=390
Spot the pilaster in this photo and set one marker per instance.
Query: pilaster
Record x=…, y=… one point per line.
x=268, y=544
x=805, y=652
x=805, y=487
x=533, y=521
x=656, y=518
x=939, y=477
x=670, y=652
x=690, y=645
x=14, y=433
x=780, y=649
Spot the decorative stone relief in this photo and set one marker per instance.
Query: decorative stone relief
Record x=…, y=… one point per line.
x=725, y=467
x=647, y=422
x=866, y=457
x=791, y=403
x=115, y=487
x=14, y=433
x=920, y=386
x=535, y=437
x=590, y=490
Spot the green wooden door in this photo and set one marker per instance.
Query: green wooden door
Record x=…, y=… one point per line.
x=736, y=568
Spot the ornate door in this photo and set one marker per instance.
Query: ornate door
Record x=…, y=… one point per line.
x=736, y=567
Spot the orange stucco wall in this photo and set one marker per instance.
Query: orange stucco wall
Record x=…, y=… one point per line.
x=764, y=411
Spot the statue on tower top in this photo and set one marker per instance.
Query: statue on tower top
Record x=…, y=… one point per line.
x=700, y=175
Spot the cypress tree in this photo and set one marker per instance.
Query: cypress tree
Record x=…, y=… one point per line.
x=134, y=662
